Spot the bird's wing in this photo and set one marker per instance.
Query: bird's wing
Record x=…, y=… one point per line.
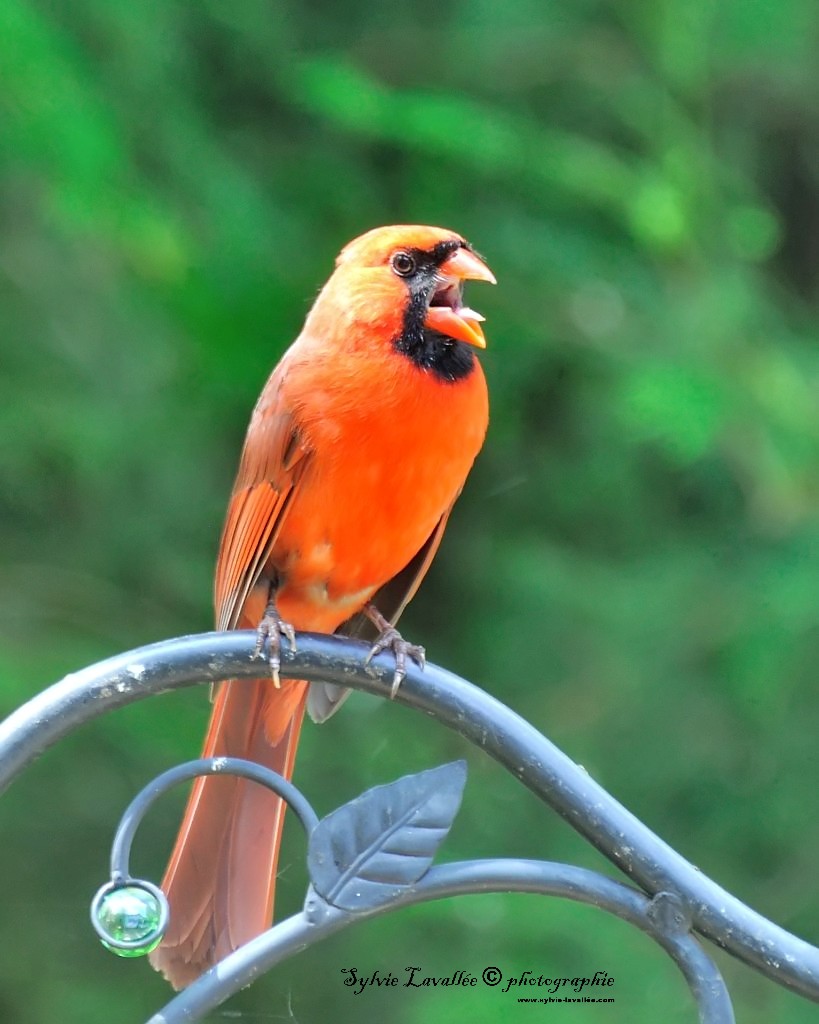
x=274, y=460
x=324, y=699
x=396, y=594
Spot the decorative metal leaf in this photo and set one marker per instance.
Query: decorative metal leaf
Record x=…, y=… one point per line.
x=365, y=852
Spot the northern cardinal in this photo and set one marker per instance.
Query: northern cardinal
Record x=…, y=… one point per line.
x=357, y=449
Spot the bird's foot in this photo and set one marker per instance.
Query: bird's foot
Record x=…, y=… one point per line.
x=390, y=638
x=269, y=635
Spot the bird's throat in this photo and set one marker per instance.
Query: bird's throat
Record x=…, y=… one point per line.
x=446, y=358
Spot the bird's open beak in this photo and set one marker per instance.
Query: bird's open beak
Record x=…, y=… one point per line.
x=446, y=314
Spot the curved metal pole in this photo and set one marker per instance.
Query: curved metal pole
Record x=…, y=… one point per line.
x=143, y=931
x=320, y=920
x=203, y=766
x=541, y=766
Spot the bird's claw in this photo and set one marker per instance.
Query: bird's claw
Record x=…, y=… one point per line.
x=391, y=639
x=269, y=632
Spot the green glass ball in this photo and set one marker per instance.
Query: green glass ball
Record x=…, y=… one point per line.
x=133, y=915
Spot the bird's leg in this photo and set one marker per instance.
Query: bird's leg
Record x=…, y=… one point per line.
x=389, y=637
x=270, y=631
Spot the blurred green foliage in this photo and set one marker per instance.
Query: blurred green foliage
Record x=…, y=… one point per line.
x=634, y=562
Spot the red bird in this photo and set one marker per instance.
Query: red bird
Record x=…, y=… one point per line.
x=357, y=449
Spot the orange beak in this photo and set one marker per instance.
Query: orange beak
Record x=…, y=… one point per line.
x=449, y=317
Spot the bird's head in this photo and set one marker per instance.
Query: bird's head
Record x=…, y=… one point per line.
x=404, y=285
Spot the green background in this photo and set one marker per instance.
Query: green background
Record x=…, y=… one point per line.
x=634, y=563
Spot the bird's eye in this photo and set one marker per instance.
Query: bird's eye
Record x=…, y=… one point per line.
x=403, y=264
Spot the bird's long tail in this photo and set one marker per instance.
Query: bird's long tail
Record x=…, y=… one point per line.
x=222, y=872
